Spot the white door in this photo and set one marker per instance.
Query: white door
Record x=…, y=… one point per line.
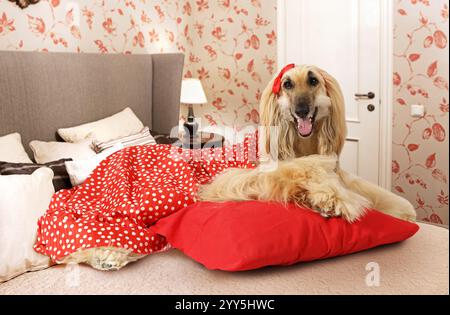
x=343, y=38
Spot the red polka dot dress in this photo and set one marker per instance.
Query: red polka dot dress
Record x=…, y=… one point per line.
x=127, y=193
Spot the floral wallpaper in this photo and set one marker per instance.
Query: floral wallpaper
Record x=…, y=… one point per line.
x=421, y=145
x=232, y=49
x=230, y=45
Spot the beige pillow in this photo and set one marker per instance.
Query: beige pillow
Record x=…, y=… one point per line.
x=122, y=124
x=12, y=150
x=45, y=152
x=18, y=221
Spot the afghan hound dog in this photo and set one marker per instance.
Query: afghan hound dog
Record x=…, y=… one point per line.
x=305, y=105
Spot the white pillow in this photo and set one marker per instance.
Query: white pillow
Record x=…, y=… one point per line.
x=80, y=170
x=45, y=152
x=12, y=150
x=122, y=124
x=18, y=221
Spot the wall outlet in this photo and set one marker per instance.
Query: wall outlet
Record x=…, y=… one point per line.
x=417, y=111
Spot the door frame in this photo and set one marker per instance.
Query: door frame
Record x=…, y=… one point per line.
x=386, y=86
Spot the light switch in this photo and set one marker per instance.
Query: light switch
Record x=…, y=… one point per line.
x=417, y=111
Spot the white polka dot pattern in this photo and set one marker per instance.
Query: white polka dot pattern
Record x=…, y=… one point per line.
x=127, y=193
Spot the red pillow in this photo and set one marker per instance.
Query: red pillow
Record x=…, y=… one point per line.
x=237, y=236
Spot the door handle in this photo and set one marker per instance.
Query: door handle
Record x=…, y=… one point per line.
x=368, y=96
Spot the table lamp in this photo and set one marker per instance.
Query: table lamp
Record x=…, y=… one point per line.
x=192, y=94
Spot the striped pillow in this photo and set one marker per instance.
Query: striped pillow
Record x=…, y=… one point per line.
x=141, y=138
x=61, y=179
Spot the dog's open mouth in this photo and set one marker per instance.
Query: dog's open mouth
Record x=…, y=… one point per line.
x=305, y=125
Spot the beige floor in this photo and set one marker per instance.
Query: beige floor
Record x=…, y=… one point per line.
x=416, y=266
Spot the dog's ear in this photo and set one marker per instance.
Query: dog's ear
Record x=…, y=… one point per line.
x=277, y=137
x=334, y=129
x=268, y=111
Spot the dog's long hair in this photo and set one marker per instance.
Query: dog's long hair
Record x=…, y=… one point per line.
x=301, y=176
x=330, y=137
x=306, y=106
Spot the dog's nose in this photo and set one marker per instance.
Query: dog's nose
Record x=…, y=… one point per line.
x=302, y=111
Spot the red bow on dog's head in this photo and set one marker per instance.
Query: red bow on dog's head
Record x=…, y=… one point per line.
x=277, y=83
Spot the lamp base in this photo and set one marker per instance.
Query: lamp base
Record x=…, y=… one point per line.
x=190, y=126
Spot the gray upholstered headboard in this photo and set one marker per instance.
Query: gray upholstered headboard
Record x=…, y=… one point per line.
x=41, y=92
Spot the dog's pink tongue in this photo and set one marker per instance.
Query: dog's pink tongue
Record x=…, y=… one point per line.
x=304, y=126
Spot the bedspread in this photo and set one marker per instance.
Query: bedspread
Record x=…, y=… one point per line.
x=127, y=193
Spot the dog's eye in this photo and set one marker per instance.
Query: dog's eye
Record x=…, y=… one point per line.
x=313, y=81
x=288, y=85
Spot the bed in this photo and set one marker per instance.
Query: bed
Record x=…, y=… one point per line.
x=41, y=92
x=416, y=266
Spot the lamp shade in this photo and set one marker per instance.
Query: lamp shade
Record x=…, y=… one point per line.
x=192, y=92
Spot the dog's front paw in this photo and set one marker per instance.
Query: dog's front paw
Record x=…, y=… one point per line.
x=351, y=205
x=325, y=204
x=348, y=205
